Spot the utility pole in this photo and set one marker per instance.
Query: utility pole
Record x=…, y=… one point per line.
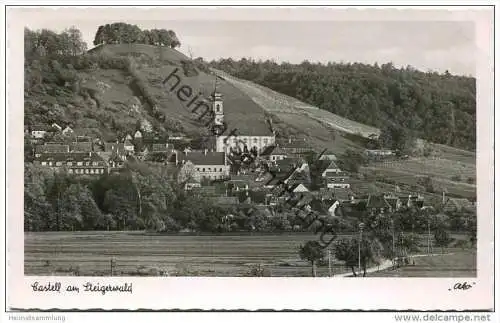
x=329, y=263
x=393, y=242
x=428, y=236
x=361, y=226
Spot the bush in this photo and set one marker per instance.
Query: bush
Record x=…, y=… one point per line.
x=259, y=271
x=456, y=178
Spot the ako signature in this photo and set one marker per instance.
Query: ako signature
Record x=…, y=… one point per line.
x=462, y=286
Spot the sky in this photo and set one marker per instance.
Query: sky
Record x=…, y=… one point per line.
x=436, y=45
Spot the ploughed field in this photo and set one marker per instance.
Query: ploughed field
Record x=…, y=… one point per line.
x=137, y=253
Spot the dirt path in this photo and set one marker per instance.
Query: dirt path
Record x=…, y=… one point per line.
x=388, y=264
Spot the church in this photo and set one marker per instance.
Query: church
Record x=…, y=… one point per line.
x=258, y=138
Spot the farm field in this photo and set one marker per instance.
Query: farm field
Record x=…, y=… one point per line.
x=135, y=253
x=457, y=264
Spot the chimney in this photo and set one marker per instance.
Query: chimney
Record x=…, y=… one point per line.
x=90, y=154
x=205, y=151
x=443, y=198
x=289, y=140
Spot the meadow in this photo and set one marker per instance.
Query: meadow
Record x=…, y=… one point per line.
x=139, y=253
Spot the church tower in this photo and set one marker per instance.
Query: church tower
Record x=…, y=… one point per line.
x=217, y=108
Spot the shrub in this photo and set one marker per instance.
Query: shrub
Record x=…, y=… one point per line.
x=456, y=178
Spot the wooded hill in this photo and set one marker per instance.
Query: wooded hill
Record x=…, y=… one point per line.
x=440, y=108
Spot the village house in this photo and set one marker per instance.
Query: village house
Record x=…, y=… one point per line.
x=128, y=146
x=191, y=184
x=83, y=146
x=68, y=131
x=328, y=155
x=208, y=164
x=56, y=126
x=39, y=131
x=75, y=163
x=273, y=154
x=335, y=177
x=50, y=147
x=294, y=147
x=377, y=204
x=138, y=135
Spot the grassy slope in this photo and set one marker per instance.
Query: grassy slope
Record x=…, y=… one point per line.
x=240, y=111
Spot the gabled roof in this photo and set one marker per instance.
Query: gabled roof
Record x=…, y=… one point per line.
x=202, y=158
x=113, y=146
x=342, y=194
x=81, y=146
x=377, y=201
x=55, y=157
x=51, y=148
x=41, y=127
x=226, y=200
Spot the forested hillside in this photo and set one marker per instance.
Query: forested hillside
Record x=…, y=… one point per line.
x=440, y=108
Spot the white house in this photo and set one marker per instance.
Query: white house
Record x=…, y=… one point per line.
x=208, y=164
x=137, y=135
x=331, y=170
x=39, y=131
x=56, y=126
x=128, y=146
x=67, y=131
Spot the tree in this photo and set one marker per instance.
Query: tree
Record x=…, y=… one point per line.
x=186, y=173
x=442, y=238
x=348, y=251
x=351, y=161
x=312, y=252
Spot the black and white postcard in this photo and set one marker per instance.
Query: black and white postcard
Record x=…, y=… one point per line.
x=246, y=158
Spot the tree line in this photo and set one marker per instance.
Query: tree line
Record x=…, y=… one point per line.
x=45, y=42
x=122, y=33
x=437, y=107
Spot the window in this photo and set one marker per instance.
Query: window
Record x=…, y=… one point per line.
x=217, y=107
x=203, y=169
x=95, y=163
x=265, y=141
x=87, y=164
x=86, y=170
x=69, y=163
x=220, y=170
x=209, y=169
x=197, y=169
x=50, y=163
x=254, y=140
x=92, y=171
x=44, y=163
x=70, y=171
x=79, y=163
x=58, y=163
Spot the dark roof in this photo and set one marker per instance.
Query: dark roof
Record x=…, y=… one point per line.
x=392, y=200
x=55, y=157
x=52, y=148
x=41, y=127
x=160, y=147
x=287, y=164
x=225, y=200
x=202, y=158
x=377, y=201
x=318, y=206
x=81, y=146
x=342, y=194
